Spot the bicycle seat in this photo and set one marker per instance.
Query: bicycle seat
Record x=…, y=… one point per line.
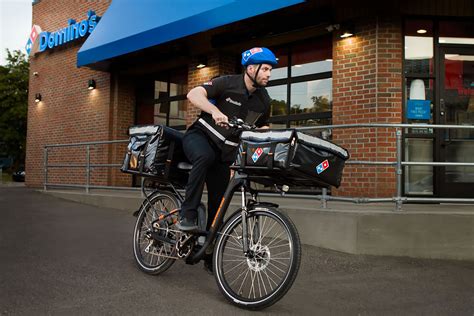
x=185, y=166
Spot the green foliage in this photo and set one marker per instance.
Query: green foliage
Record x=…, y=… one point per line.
x=278, y=107
x=14, y=106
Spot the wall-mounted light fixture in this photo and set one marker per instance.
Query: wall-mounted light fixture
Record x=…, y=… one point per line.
x=38, y=97
x=35, y=73
x=332, y=27
x=421, y=31
x=346, y=32
x=202, y=62
x=91, y=84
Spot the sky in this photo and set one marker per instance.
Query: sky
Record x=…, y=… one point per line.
x=15, y=26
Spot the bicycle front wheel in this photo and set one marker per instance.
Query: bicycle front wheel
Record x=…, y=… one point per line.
x=262, y=277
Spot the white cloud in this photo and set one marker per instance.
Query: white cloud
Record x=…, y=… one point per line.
x=15, y=26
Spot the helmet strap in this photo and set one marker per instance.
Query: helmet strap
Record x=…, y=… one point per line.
x=254, y=78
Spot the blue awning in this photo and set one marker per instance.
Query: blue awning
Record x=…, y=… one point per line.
x=128, y=26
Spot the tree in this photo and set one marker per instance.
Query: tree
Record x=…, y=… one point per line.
x=14, y=106
x=278, y=107
x=321, y=104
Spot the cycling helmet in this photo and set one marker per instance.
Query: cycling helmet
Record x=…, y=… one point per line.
x=258, y=55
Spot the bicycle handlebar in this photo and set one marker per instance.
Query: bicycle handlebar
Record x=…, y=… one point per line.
x=239, y=124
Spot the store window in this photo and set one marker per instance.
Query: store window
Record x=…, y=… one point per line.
x=301, y=88
x=419, y=51
x=161, y=99
x=419, y=79
x=301, y=84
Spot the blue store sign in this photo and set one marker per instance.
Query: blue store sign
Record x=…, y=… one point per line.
x=72, y=32
x=419, y=109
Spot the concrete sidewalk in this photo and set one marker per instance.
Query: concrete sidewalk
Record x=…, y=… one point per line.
x=444, y=231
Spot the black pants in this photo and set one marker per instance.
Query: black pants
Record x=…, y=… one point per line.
x=207, y=168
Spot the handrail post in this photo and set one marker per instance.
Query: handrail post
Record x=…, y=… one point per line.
x=88, y=168
x=398, y=170
x=45, y=180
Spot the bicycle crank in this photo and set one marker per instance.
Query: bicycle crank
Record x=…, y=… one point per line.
x=184, y=245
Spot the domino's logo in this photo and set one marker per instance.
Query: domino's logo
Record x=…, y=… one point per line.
x=35, y=31
x=250, y=52
x=258, y=152
x=322, y=166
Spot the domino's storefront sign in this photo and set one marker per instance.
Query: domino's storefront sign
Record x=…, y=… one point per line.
x=72, y=32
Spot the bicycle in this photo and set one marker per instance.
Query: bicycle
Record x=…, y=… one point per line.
x=256, y=251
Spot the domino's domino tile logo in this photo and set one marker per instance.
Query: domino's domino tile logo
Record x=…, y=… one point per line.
x=258, y=152
x=35, y=31
x=322, y=166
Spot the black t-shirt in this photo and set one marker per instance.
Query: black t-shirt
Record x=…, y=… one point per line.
x=232, y=98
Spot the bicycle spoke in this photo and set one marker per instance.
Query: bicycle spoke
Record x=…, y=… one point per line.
x=238, y=277
x=243, y=281
x=228, y=271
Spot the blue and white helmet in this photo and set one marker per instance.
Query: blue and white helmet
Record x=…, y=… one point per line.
x=258, y=55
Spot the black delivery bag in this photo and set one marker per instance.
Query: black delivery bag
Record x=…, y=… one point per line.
x=290, y=157
x=155, y=151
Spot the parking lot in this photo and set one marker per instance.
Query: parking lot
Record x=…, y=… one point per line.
x=64, y=258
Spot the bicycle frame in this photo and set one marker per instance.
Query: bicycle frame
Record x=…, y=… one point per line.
x=237, y=181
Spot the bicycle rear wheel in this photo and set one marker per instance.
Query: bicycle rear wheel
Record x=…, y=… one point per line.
x=263, y=277
x=152, y=256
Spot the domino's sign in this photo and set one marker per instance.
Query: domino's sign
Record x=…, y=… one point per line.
x=72, y=32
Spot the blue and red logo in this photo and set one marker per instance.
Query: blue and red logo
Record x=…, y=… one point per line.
x=35, y=31
x=258, y=152
x=322, y=166
x=252, y=51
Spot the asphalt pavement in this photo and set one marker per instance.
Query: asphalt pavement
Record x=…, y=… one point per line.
x=59, y=257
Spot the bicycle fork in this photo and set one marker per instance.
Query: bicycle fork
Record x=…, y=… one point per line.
x=244, y=213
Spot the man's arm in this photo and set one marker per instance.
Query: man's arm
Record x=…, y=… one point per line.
x=198, y=97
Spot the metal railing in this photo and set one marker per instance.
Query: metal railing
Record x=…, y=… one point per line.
x=324, y=197
x=88, y=166
x=398, y=199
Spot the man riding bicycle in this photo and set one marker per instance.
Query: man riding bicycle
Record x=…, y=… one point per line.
x=209, y=144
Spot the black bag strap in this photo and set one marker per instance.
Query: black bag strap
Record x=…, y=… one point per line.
x=243, y=157
x=169, y=159
x=291, y=151
x=271, y=156
x=141, y=156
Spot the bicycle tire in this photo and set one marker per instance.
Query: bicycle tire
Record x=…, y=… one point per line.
x=144, y=259
x=263, y=263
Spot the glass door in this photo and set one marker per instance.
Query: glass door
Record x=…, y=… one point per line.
x=456, y=107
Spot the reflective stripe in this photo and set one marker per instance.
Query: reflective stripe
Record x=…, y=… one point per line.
x=217, y=134
x=228, y=142
x=212, y=130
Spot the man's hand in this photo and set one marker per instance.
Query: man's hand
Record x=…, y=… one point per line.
x=220, y=118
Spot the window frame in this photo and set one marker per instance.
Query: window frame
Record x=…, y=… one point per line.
x=289, y=80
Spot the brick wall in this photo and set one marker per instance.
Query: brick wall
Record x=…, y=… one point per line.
x=122, y=114
x=218, y=64
x=68, y=112
x=367, y=88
